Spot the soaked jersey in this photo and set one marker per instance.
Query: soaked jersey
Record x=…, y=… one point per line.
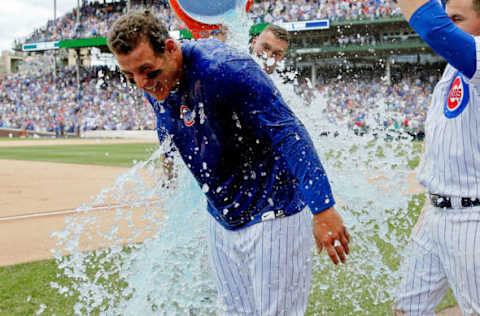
x=451, y=164
x=252, y=157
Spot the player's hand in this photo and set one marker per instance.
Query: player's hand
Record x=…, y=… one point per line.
x=330, y=233
x=169, y=169
x=170, y=172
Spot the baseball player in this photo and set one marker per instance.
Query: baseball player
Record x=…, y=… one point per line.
x=250, y=155
x=445, y=247
x=271, y=46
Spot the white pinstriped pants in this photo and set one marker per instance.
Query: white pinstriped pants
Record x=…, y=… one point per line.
x=444, y=251
x=263, y=269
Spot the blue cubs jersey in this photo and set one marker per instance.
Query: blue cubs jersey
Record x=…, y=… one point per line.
x=250, y=154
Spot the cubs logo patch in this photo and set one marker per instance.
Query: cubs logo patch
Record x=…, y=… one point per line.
x=457, y=98
x=187, y=115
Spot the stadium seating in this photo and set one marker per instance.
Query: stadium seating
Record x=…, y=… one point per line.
x=105, y=102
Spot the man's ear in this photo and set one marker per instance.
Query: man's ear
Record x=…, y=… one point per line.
x=254, y=41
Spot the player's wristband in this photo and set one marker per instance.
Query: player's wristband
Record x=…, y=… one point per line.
x=457, y=47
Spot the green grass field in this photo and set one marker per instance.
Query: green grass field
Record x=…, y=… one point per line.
x=119, y=155
x=25, y=287
x=367, y=302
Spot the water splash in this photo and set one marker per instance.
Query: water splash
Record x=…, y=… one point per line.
x=369, y=177
x=151, y=257
x=238, y=25
x=144, y=258
x=168, y=272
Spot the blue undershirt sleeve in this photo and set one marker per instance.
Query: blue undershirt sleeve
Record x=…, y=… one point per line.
x=457, y=47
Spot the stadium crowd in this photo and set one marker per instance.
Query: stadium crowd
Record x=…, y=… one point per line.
x=372, y=104
x=277, y=11
x=95, y=18
x=40, y=102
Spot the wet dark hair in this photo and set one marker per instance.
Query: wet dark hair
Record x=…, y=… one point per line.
x=135, y=27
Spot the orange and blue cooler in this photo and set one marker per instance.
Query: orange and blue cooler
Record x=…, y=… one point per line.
x=203, y=16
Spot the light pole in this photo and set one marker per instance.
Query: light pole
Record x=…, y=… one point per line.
x=78, y=12
x=54, y=52
x=78, y=51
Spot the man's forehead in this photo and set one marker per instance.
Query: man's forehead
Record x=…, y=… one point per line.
x=132, y=66
x=270, y=38
x=466, y=4
x=268, y=34
x=139, y=69
x=135, y=64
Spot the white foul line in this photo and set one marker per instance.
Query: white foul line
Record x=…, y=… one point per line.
x=64, y=212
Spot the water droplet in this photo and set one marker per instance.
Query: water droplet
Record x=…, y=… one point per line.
x=205, y=188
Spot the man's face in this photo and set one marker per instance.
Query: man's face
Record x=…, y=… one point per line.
x=155, y=74
x=269, y=48
x=464, y=16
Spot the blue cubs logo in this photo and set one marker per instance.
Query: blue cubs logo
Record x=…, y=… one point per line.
x=458, y=97
x=187, y=115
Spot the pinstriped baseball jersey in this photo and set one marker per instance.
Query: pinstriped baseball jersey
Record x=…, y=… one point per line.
x=451, y=164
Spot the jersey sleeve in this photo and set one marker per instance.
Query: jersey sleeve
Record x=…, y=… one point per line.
x=459, y=48
x=261, y=108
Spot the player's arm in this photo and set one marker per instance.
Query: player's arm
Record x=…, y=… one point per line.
x=167, y=158
x=262, y=109
x=168, y=166
x=430, y=21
